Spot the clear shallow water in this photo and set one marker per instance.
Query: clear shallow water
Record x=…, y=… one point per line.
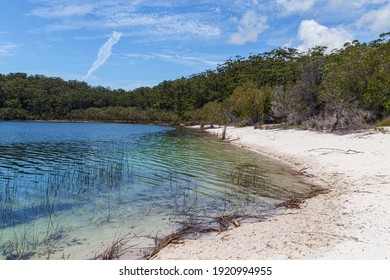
x=68, y=189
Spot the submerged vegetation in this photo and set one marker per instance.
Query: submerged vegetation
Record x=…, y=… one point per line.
x=336, y=91
x=31, y=210
x=31, y=225
x=62, y=198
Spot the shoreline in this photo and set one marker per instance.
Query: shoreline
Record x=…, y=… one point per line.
x=352, y=221
x=92, y=121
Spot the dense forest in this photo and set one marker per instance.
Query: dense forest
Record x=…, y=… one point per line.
x=339, y=90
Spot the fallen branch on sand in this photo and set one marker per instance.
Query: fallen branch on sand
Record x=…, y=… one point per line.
x=295, y=202
x=171, y=238
x=333, y=235
x=329, y=150
x=190, y=229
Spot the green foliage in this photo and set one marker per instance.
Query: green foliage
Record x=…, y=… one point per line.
x=211, y=113
x=377, y=96
x=249, y=104
x=345, y=75
x=343, y=89
x=13, y=114
x=298, y=102
x=124, y=114
x=384, y=122
x=387, y=107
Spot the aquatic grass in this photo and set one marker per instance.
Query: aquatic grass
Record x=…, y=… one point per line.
x=8, y=202
x=252, y=181
x=28, y=239
x=117, y=247
x=184, y=197
x=103, y=183
x=54, y=233
x=23, y=243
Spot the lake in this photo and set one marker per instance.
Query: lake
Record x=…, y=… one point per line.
x=68, y=190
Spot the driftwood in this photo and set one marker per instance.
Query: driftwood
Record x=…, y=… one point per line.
x=189, y=229
x=330, y=150
x=224, y=222
x=316, y=191
x=174, y=237
x=295, y=202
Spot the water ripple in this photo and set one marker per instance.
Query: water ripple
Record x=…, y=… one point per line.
x=95, y=174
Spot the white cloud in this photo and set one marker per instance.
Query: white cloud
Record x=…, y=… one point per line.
x=187, y=59
x=60, y=11
x=139, y=55
x=8, y=48
x=193, y=60
x=377, y=21
x=249, y=28
x=355, y=3
x=147, y=19
x=314, y=34
x=173, y=26
x=245, y=4
x=104, y=53
x=291, y=6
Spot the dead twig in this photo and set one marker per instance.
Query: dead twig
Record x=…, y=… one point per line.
x=225, y=221
x=330, y=150
x=333, y=235
x=191, y=228
x=115, y=249
x=293, y=202
x=174, y=237
x=315, y=190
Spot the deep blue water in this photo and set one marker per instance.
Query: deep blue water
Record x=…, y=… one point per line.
x=67, y=189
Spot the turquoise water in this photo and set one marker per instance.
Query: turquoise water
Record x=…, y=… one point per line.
x=67, y=190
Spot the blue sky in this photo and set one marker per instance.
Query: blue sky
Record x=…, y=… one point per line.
x=132, y=43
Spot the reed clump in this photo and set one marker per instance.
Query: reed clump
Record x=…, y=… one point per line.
x=114, y=250
x=22, y=205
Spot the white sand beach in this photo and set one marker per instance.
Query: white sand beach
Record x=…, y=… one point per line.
x=351, y=221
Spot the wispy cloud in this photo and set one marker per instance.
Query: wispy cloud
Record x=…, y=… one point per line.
x=376, y=20
x=104, y=53
x=355, y=3
x=193, y=60
x=180, y=26
x=139, y=55
x=8, y=49
x=62, y=11
x=291, y=6
x=187, y=59
x=147, y=19
x=249, y=28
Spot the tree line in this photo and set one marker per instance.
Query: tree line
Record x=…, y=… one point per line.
x=341, y=90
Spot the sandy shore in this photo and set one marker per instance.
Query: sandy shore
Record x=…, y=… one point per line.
x=352, y=221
